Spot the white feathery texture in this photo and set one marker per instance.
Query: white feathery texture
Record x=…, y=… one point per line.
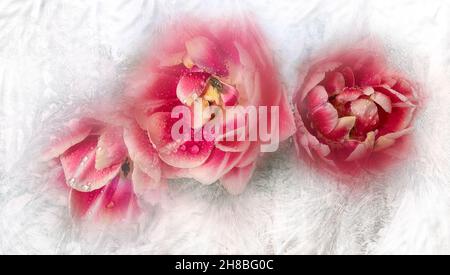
x=60, y=57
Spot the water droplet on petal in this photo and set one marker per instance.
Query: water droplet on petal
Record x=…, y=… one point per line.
x=110, y=205
x=183, y=147
x=72, y=182
x=86, y=188
x=195, y=149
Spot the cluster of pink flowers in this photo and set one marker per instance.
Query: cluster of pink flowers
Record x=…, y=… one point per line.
x=349, y=112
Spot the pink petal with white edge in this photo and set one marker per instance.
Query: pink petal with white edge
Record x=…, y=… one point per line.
x=383, y=101
x=349, y=94
x=146, y=187
x=191, y=86
x=237, y=179
x=316, y=98
x=343, y=128
x=334, y=83
x=364, y=149
x=325, y=118
x=206, y=54
x=114, y=202
x=77, y=131
x=310, y=143
x=79, y=167
x=366, y=114
x=388, y=140
x=399, y=119
x=315, y=76
x=215, y=167
x=180, y=154
x=395, y=96
x=404, y=87
x=110, y=148
x=141, y=151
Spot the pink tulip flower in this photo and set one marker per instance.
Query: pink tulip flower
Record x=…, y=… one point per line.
x=354, y=113
x=221, y=64
x=108, y=168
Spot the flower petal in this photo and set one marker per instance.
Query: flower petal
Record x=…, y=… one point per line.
x=316, y=98
x=388, y=140
x=325, y=118
x=114, y=202
x=399, y=119
x=147, y=188
x=206, y=54
x=237, y=179
x=404, y=87
x=191, y=86
x=349, y=77
x=343, y=128
x=141, y=151
x=366, y=113
x=79, y=167
x=77, y=131
x=349, y=94
x=110, y=148
x=177, y=153
x=229, y=95
x=334, y=82
x=316, y=76
x=218, y=164
x=364, y=149
x=383, y=100
x=395, y=96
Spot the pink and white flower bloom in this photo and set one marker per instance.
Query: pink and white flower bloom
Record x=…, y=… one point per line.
x=108, y=168
x=354, y=113
x=222, y=64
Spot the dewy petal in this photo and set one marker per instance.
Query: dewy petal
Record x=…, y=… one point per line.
x=79, y=167
x=388, y=140
x=325, y=118
x=348, y=95
x=316, y=98
x=191, y=86
x=141, y=151
x=334, y=82
x=383, y=100
x=363, y=149
x=114, y=202
x=77, y=131
x=110, y=148
x=343, y=128
x=177, y=153
x=237, y=179
x=366, y=113
x=206, y=54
